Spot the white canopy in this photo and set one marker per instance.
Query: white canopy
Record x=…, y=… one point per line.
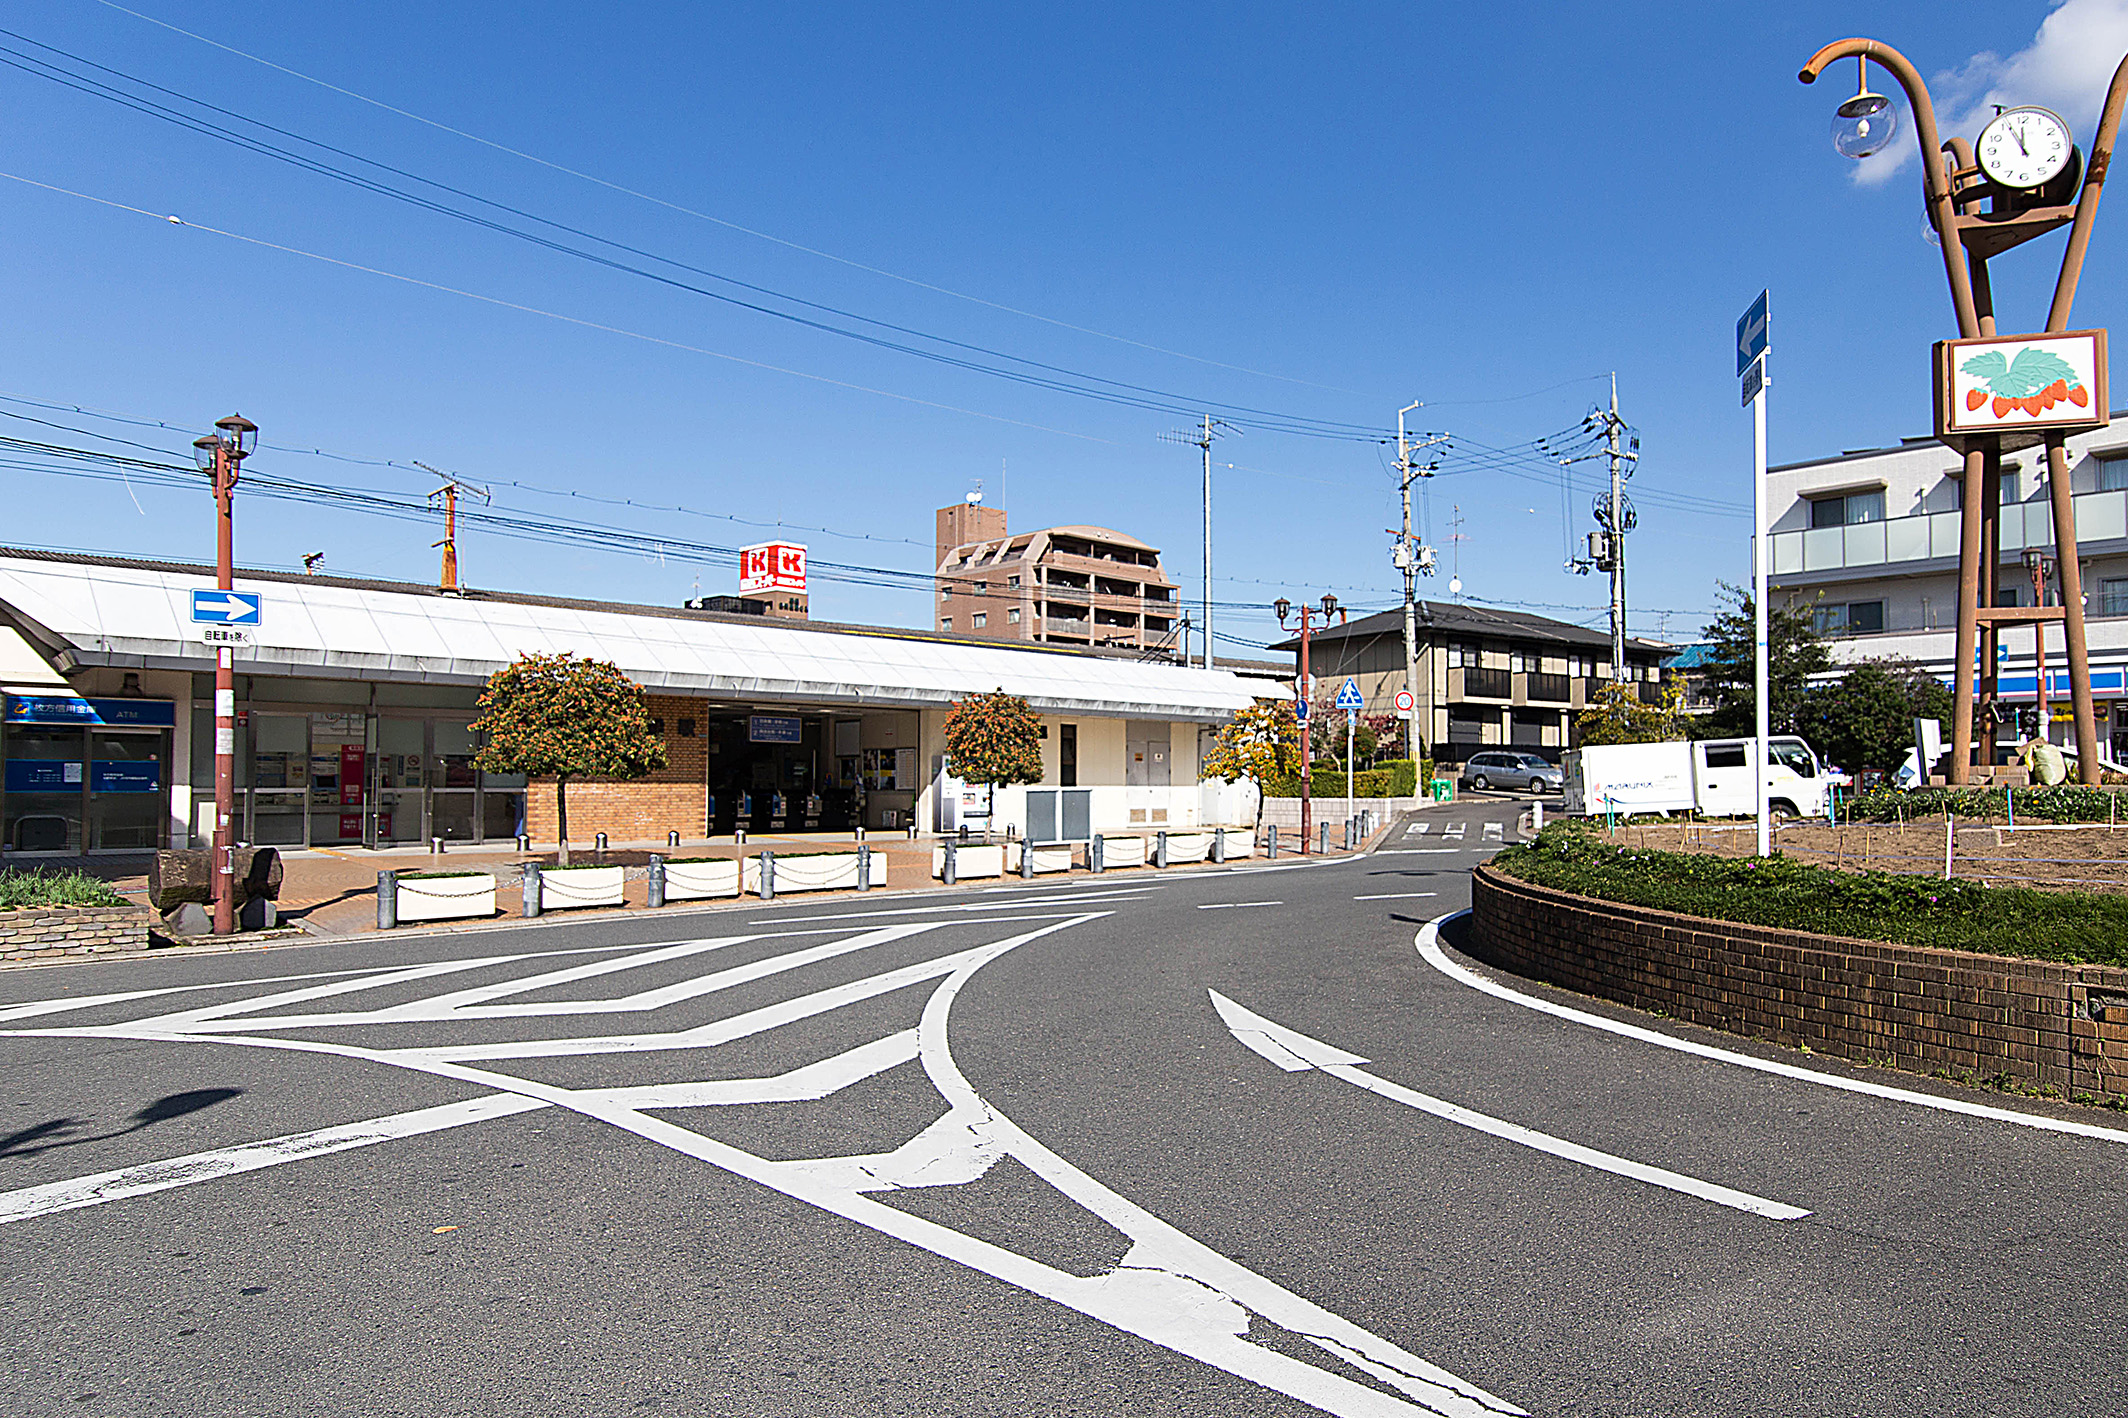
x=138, y=615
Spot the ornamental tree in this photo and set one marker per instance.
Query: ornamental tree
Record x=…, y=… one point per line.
x=1865, y=719
x=1794, y=655
x=1261, y=744
x=555, y=716
x=994, y=738
x=1616, y=715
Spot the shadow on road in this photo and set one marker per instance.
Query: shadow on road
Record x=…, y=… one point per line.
x=32, y=1140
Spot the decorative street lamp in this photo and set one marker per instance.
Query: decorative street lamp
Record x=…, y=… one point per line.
x=1998, y=394
x=222, y=454
x=1301, y=696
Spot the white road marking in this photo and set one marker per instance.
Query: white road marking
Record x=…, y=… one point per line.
x=1168, y=1288
x=1417, y=829
x=1455, y=829
x=1421, y=851
x=1236, y=905
x=250, y=1157
x=1397, y=896
x=1429, y=947
x=1296, y=1052
x=1492, y=829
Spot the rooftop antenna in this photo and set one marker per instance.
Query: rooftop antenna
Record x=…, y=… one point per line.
x=452, y=487
x=975, y=499
x=1455, y=549
x=310, y=562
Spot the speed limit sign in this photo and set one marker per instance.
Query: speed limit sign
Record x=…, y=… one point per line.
x=1404, y=702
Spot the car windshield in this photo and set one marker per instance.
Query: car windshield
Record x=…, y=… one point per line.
x=1795, y=757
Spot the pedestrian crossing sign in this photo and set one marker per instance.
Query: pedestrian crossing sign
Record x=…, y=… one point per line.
x=1349, y=697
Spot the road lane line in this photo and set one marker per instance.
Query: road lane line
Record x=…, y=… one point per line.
x=1397, y=896
x=1429, y=947
x=1423, y=851
x=1236, y=905
x=251, y=1156
x=1296, y=1052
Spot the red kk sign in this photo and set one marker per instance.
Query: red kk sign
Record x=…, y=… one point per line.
x=772, y=566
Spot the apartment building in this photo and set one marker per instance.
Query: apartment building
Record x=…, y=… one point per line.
x=1487, y=678
x=1869, y=541
x=1059, y=586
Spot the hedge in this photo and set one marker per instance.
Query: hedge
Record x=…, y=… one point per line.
x=1391, y=778
x=2075, y=927
x=2064, y=802
x=43, y=887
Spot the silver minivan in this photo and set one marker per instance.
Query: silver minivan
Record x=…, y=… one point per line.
x=1510, y=771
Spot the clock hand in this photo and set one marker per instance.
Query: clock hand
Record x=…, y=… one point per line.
x=2019, y=134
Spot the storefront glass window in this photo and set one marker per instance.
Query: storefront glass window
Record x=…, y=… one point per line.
x=44, y=789
x=125, y=791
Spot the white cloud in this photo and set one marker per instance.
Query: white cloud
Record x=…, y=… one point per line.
x=2066, y=67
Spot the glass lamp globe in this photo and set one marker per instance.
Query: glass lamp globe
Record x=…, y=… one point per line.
x=1863, y=125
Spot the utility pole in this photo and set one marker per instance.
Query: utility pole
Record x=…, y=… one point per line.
x=1411, y=558
x=449, y=492
x=223, y=454
x=1303, y=697
x=1617, y=523
x=1213, y=428
x=2041, y=568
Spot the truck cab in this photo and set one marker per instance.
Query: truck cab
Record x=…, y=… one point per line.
x=1722, y=778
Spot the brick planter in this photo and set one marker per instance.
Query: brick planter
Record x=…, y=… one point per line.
x=1870, y=1001
x=39, y=932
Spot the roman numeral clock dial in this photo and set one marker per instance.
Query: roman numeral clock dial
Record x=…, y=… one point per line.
x=2025, y=148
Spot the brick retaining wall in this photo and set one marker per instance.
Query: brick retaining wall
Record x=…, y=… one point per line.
x=1870, y=1001
x=33, y=933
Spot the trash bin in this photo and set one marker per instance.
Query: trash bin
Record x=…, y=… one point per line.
x=1444, y=790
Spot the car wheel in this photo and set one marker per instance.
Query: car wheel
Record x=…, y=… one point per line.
x=1478, y=782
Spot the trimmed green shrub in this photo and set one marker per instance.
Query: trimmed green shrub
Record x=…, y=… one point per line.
x=20, y=890
x=2075, y=927
x=2064, y=802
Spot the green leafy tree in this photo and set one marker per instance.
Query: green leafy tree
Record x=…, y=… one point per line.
x=1261, y=744
x=1617, y=714
x=994, y=738
x=1865, y=719
x=1793, y=655
x=555, y=716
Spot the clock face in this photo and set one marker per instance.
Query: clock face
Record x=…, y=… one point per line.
x=2024, y=147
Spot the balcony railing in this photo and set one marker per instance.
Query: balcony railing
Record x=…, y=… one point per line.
x=1488, y=684
x=1551, y=689
x=2100, y=516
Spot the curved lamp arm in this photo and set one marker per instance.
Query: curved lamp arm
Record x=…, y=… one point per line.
x=1936, y=181
x=2109, y=125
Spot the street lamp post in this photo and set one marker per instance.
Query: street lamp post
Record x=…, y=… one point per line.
x=222, y=453
x=1284, y=608
x=1980, y=203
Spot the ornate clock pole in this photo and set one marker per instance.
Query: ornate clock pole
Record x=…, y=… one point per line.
x=1999, y=394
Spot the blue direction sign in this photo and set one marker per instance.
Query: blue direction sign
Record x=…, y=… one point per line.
x=1349, y=697
x=1300, y=710
x=225, y=607
x=1751, y=334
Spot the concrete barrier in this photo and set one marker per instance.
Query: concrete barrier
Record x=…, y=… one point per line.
x=566, y=888
x=1124, y=852
x=971, y=860
x=1054, y=857
x=445, y=896
x=702, y=881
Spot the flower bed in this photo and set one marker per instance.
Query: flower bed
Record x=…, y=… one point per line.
x=42, y=887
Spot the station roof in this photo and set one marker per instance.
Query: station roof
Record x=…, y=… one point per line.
x=94, y=611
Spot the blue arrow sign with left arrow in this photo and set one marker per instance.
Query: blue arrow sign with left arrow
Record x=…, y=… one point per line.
x=225, y=607
x=1751, y=334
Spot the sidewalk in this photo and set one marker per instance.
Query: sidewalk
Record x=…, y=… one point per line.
x=332, y=891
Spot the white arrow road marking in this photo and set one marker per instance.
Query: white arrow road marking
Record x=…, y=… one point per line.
x=1168, y=1288
x=1295, y=1052
x=1237, y=905
x=1430, y=948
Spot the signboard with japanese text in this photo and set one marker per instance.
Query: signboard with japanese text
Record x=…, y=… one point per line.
x=772, y=566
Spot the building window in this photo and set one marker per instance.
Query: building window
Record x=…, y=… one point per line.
x=1012, y=580
x=2112, y=474
x=1853, y=618
x=978, y=620
x=1848, y=509
x=945, y=622
x=945, y=593
x=2113, y=596
x=1012, y=616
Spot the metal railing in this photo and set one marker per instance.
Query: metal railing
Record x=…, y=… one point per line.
x=1928, y=536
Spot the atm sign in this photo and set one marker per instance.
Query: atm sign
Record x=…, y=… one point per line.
x=772, y=566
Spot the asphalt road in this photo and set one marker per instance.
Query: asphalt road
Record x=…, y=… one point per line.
x=1202, y=1143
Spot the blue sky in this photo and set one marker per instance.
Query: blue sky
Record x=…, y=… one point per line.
x=1332, y=210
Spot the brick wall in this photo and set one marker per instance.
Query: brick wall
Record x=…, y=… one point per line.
x=644, y=810
x=1870, y=1001
x=36, y=933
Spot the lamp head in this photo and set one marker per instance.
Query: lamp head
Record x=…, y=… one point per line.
x=203, y=450
x=242, y=433
x=1866, y=123
x=1329, y=605
x=1284, y=608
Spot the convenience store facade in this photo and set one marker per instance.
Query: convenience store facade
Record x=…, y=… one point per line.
x=355, y=703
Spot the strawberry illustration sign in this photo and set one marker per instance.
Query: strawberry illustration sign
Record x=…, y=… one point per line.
x=2042, y=383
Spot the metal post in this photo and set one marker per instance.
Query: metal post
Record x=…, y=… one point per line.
x=1206, y=445
x=1271, y=852
x=768, y=876
x=1219, y=845
x=1352, y=719
x=1761, y=648
x=949, y=869
x=672, y=839
x=2072, y=598
x=864, y=867
x=435, y=846
x=1411, y=571
x=1617, y=544
x=598, y=842
x=387, y=900
x=224, y=702
x=654, y=881
x=531, y=890
x=1968, y=646
x=524, y=842
x=1093, y=854
x=1026, y=860
x=1307, y=770
x=1323, y=834
x=1160, y=849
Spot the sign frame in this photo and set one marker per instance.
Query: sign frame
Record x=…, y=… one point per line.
x=1958, y=423
x=772, y=566
x=1754, y=333
x=252, y=613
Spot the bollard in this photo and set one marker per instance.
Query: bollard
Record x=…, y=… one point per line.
x=1536, y=816
x=1027, y=861
x=912, y=832
x=672, y=839
x=598, y=842
x=1348, y=834
x=1322, y=838
x=768, y=876
x=435, y=846
x=1093, y=854
x=387, y=900
x=949, y=869
x=654, y=880
x=1160, y=849
x=524, y=843
x=1219, y=844
x=964, y=832
x=531, y=907
x=739, y=836
x=1272, y=853
x=864, y=863
x=860, y=832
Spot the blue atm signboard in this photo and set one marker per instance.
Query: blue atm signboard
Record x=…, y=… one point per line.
x=67, y=709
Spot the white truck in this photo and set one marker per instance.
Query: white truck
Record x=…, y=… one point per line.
x=1711, y=776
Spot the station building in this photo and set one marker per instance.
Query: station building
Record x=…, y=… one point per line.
x=355, y=701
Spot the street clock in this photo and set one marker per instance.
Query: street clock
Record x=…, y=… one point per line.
x=2025, y=148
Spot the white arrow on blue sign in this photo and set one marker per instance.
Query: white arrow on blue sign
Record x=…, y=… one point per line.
x=1751, y=334
x=1349, y=697
x=1300, y=710
x=225, y=607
